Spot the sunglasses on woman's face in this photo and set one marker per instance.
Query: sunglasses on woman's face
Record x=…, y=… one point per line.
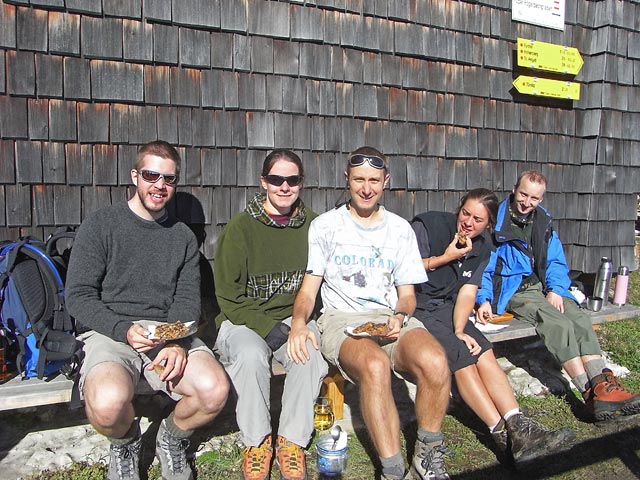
x=277, y=180
x=375, y=162
x=152, y=177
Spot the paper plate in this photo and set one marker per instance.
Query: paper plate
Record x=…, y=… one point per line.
x=350, y=331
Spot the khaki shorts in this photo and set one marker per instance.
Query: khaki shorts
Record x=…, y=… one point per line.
x=332, y=323
x=99, y=348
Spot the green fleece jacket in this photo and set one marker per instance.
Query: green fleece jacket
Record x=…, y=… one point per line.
x=259, y=266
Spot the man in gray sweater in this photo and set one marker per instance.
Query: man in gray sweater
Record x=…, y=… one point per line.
x=131, y=264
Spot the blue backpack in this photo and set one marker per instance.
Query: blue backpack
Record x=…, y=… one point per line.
x=32, y=305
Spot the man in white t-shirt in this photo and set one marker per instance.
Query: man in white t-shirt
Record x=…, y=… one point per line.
x=369, y=260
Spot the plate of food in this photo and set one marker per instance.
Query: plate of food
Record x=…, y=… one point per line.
x=171, y=331
x=369, y=329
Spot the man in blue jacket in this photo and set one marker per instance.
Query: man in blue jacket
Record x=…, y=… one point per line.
x=528, y=275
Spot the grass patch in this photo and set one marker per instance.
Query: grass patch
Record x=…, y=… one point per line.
x=77, y=471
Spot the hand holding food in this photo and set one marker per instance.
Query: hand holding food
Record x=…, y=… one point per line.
x=461, y=240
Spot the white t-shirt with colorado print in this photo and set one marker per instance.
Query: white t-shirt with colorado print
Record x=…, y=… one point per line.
x=362, y=266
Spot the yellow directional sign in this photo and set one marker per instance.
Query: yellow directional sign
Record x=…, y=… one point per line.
x=549, y=57
x=546, y=87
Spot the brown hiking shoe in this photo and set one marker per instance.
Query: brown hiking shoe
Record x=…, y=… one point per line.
x=501, y=437
x=256, y=464
x=528, y=439
x=291, y=460
x=607, y=398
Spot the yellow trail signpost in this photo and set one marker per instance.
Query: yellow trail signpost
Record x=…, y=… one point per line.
x=549, y=57
x=546, y=87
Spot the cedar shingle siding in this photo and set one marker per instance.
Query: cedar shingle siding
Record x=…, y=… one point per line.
x=429, y=82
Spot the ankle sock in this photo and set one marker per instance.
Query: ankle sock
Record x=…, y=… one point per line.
x=511, y=413
x=494, y=428
x=393, y=466
x=581, y=382
x=594, y=368
x=430, y=438
x=175, y=430
x=132, y=434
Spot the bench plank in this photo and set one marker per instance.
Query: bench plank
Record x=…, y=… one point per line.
x=517, y=328
x=19, y=393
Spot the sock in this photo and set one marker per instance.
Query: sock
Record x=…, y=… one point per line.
x=393, y=466
x=581, y=382
x=493, y=429
x=511, y=413
x=594, y=367
x=432, y=439
x=174, y=430
x=132, y=434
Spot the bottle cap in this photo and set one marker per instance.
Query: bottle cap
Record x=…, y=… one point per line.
x=623, y=270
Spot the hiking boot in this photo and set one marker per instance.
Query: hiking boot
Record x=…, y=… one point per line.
x=608, y=399
x=528, y=439
x=501, y=437
x=291, y=460
x=428, y=462
x=172, y=453
x=123, y=461
x=256, y=464
x=405, y=476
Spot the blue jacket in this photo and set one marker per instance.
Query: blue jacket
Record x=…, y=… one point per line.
x=510, y=262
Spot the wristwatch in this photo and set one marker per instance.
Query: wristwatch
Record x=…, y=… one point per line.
x=405, y=317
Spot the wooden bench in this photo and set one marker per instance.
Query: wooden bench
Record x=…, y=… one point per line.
x=19, y=393
x=33, y=392
x=517, y=328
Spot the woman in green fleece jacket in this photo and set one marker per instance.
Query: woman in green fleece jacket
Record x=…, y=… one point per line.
x=258, y=268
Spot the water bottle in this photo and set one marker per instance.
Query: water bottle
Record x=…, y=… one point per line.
x=622, y=285
x=603, y=279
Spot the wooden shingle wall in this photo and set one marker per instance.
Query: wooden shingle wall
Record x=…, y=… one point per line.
x=429, y=82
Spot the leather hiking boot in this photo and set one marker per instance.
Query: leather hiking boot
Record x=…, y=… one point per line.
x=607, y=398
x=124, y=461
x=405, y=476
x=172, y=454
x=428, y=462
x=501, y=437
x=528, y=439
x=291, y=460
x=256, y=464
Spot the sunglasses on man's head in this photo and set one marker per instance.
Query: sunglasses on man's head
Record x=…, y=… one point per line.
x=152, y=177
x=374, y=161
x=277, y=180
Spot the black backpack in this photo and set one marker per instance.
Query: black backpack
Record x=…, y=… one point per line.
x=32, y=305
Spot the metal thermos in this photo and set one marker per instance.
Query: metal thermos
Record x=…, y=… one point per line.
x=622, y=285
x=603, y=279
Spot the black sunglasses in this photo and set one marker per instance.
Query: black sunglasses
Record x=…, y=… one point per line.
x=277, y=180
x=375, y=162
x=152, y=177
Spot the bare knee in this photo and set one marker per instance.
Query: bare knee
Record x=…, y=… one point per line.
x=432, y=367
x=106, y=404
x=213, y=394
x=376, y=371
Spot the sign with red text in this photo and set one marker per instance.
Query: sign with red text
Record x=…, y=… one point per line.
x=545, y=87
x=549, y=57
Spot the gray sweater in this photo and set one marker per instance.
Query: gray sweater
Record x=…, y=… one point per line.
x=124, y=268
